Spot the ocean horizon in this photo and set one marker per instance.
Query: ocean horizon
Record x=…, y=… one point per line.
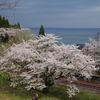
x=70, y=35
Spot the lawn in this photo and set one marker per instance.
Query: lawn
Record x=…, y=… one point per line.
x=55, y=93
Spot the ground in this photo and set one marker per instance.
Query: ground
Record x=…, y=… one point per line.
x=93, y=84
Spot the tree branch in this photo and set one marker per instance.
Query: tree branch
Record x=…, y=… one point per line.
x=9, y=5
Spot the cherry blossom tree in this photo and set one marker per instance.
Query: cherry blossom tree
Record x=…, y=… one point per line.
x=93, y=48
x=41, y=62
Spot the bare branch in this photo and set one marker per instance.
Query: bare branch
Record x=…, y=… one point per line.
x=9, y=5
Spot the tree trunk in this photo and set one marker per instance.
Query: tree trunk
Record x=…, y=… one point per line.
x=45, y=90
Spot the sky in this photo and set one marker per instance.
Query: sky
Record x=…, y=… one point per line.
x=56, y=13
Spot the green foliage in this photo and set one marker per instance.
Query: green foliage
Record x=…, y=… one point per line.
x=42, y=32
x=18, y=25
x=4, y=75
x=4, y=23
x=5, y=38
x=98, y=72
x=20, y=36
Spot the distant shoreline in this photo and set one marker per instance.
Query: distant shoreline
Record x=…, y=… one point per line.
x=60, y=28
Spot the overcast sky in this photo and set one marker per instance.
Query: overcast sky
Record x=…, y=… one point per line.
x=57, y=13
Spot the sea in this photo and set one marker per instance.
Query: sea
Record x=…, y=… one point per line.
x=70, y=35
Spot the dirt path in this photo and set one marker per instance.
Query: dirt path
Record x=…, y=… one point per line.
x=93, y=85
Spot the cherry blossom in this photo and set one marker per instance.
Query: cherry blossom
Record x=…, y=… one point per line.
x=41, y=62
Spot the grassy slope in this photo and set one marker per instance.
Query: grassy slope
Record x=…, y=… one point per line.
x=55, y=93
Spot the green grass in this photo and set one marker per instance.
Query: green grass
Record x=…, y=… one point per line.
x=55, y=93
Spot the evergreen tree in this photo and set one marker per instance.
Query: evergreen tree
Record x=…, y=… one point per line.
x=0, y=21
x=0, y=17
x=42, y=32
x=5, y=23
x=18, y=25
x=3, y=18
